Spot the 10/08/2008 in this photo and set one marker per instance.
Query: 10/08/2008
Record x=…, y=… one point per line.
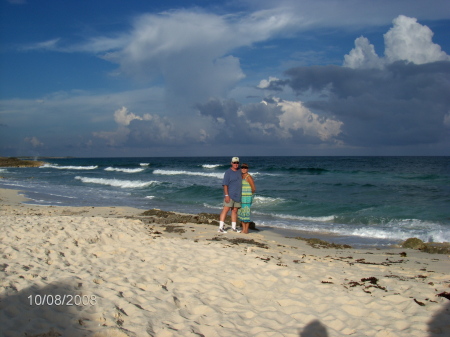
x=62, y=300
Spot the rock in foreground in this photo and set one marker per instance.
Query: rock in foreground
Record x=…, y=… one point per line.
x=427, y=247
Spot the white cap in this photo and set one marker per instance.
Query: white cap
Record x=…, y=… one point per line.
x=234, y=159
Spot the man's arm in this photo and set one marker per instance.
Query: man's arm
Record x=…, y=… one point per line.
x=225, y=193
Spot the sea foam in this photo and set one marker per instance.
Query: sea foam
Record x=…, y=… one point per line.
x=326, y=218
x=69, y=167
x=117, y=182
x=210, y=166
x=437, y=235
x=125, y=170
x=189, y=173
x=259, y=200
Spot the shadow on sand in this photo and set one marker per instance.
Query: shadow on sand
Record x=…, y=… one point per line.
x=314, y=329
x=46, y=311
x=439, y=325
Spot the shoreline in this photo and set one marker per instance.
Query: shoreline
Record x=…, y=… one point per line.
x=371, y=243
x=277, y=230
x=330, y=239
x=155, y=279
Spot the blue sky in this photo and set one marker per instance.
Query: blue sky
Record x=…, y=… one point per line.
x=213, y=78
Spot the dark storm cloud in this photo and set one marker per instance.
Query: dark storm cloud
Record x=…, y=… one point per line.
x=233, y=120
x=401, y=104
x=233, y=113
x=218, y=108
x=272, y=121
x=275, y=85
x=263, y=113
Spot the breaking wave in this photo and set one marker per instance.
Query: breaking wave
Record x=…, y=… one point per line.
x=189, y=173
x=117, y=182
x=125, y=170
x=69, y=167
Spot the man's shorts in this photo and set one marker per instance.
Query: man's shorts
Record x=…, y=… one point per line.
x=232, y=204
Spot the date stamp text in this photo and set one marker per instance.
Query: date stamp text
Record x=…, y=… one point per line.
x=62, y=300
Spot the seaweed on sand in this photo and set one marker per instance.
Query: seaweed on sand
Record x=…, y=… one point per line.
x=318, y=243
x=237, y=241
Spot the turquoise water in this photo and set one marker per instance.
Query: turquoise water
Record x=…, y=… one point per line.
x=361, y=200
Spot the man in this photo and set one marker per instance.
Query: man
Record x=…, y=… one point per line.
x=232, y=190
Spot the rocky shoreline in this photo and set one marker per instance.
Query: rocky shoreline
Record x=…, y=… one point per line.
x=168, y=218
x=15, y=162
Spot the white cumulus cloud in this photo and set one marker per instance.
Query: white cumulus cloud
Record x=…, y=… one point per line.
x=152, y=129
x=407, y=40
x=190, y=50
x=363, y=56
x=296, y=116
x=123, y=117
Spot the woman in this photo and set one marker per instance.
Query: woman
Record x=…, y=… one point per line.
x=248, y=189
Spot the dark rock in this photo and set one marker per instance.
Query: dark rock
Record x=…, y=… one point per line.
x=413, y=243
x=157, y=212
x=14, y=162
x=166, y=217
x=436, y=248
x=427, y=247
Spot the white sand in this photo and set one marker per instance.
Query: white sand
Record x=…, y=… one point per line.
x=135, y=283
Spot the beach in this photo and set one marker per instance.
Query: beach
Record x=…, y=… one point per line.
x=110, y=271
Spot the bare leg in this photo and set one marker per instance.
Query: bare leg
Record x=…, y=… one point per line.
x=234, y=212
x=223, y=215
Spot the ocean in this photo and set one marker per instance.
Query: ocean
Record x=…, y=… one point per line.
x=361, y=201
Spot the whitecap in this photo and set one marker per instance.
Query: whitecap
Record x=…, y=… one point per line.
x=210, y=166
x=326, y=218
x=402, y=229
x=218, y=206
x=189, y=173
x=260, y=200
x=436, y=235
x=125, y=170
x=117, y=182
x=429, y=232
x=69, y=167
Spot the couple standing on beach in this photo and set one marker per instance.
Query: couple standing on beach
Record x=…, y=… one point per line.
x=238, y=190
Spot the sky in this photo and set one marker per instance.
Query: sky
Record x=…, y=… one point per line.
x=224, y=78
